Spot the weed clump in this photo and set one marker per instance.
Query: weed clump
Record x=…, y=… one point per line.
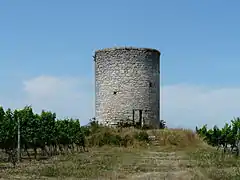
x=109, y=136
x=142, y=136
x=97, y=135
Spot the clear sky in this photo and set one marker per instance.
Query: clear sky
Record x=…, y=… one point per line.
x=46, y=50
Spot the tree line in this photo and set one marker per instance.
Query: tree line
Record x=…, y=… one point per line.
x=226, y=138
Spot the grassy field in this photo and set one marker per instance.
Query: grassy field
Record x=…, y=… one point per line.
x=174, y=155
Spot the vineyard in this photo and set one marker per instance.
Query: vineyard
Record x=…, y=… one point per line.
x=226, y=138
x=38, y=131
x=23, y=132
x=50, y=148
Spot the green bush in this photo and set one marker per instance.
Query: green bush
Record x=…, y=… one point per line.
x=111, y=139
x=116, y=136
x=127, y=140
x=141, y=136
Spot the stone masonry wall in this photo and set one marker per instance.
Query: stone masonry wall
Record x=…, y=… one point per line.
x=127, y=79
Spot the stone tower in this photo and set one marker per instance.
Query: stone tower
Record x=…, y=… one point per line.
x=127, y=85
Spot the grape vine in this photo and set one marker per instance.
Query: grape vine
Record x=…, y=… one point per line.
x=227, y=138
x=39, y=131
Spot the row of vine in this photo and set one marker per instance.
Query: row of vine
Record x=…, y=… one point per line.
x=226, y=138
x=39, y=131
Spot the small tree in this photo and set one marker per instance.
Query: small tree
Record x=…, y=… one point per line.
x=162, y=124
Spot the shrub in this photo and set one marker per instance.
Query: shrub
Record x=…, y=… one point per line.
x=116, y=137
x=141, y=136
x=127, y=140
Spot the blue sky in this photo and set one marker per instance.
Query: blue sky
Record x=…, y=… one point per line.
x=46, y=50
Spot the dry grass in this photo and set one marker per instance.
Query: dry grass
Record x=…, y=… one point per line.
x=176, y=154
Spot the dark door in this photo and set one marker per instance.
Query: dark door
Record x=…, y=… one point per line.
x=138, y=116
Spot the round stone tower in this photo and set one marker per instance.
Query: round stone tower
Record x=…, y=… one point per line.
x=127, y=85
